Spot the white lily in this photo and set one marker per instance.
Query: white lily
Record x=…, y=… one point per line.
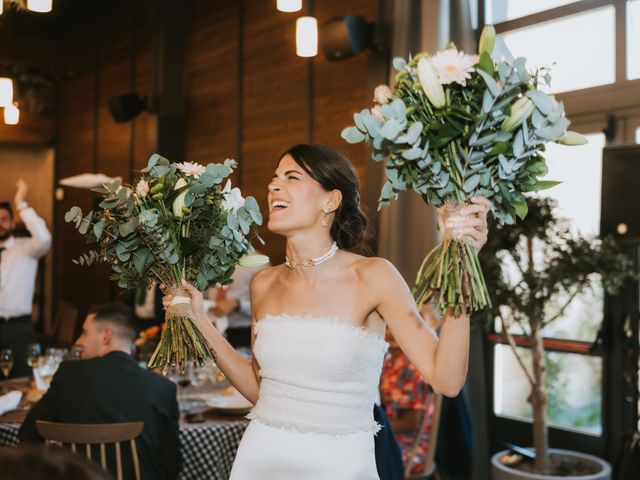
x=253, y=260
x=430, y=84
x=520, y=111
x=572, y=138
x=487, y=40
x=178, y=203
x=232, y=198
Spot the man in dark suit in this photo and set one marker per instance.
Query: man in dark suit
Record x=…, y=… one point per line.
x=107, y=386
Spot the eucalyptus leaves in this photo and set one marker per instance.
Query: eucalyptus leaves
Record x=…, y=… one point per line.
x=460, y=126
x=176, y=223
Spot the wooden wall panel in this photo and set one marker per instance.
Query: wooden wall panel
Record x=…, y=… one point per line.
x=75, y=154
x=212, y=81
x=249, y=97
x=34, y=128
x=143, y=146
x=276, y=102
x=340, y=88
x=114, y=139
x=104, y=57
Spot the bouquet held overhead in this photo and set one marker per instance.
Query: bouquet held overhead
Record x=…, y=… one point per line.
x=458, y=126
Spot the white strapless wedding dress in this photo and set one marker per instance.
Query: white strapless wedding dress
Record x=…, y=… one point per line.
x=314, y=416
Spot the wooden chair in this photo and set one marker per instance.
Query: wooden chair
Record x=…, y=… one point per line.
x=92, y=434
x=430, y=416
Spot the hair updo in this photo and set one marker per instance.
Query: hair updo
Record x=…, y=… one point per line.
x=333, y=171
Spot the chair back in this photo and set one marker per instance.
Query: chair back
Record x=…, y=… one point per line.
x=431, y=416
x=86, y=434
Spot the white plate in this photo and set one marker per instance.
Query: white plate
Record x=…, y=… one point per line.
x=233, y=404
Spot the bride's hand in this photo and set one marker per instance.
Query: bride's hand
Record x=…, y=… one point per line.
x=197, y=305
x=470, y=225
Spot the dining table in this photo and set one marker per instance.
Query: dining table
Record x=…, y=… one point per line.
x=208, y=440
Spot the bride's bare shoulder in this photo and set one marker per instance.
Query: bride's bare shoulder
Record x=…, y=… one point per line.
x=264, y=278
x=369, y=265
x=377, y=271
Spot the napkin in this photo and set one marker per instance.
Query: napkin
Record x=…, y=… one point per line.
x=10, y=401
x=87, y=180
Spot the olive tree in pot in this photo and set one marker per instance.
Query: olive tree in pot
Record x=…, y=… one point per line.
x=552, y=266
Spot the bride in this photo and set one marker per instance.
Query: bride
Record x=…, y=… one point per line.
x=318, y=324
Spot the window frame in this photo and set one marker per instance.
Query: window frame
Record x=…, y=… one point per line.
x=615, y=110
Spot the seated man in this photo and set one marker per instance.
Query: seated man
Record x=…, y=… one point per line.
x=107, y=386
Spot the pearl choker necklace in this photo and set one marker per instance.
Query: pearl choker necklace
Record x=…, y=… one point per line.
x=313, y=262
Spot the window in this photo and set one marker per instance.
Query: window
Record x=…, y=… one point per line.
x=633, y=39
x=575, y=381
x=501, y=10
x=593, y=51
x=579, y=60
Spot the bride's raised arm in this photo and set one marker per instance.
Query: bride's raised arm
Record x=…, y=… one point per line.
x=443, y=360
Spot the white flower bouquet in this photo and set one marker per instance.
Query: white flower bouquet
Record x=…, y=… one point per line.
x=176, y=223
x=457, y=126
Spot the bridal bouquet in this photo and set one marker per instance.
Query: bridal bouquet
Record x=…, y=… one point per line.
x=177, y=222
x=458, y=126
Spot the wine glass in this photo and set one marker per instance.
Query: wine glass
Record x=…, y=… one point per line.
x=6, y=361
x=76, y=352
x=33, y=354
x=198, y=377
x=46, y=369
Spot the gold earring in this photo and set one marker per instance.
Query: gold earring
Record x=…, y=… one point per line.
x=324, y=222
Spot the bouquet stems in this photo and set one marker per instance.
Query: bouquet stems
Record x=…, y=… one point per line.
x=451, y=276
x=181, y=340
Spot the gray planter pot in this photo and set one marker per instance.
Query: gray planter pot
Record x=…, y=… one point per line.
x=502, y=472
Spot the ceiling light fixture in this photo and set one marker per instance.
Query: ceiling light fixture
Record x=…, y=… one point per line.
x=6, y=91
x=40, y=6
x=289, y=5
x=307, y=37
x=11, y=115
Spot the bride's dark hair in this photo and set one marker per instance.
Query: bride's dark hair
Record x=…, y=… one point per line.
x=333, y=171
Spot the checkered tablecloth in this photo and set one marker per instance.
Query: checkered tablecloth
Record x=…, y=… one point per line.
x=208, y=449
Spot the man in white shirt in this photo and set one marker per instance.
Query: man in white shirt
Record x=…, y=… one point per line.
x=18, y=267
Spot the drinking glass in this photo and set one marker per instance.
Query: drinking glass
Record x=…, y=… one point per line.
x=46, y=369
x=76, y=352
x=33, y=354
x=198, y=377
x=6, y=361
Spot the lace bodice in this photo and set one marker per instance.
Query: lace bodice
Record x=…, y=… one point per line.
x=317, y=374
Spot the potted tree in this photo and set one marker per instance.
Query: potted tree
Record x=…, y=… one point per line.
x=552, y=266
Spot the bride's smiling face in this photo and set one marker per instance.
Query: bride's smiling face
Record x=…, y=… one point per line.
x=295, y=199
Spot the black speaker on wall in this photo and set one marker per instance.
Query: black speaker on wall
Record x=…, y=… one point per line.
x=344, y=37
x=126, y=107
x=620, y=204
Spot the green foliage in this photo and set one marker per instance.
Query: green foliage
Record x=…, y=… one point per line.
x=567, y=268
x=553, y=266
x=146, y=234
x=451, y=154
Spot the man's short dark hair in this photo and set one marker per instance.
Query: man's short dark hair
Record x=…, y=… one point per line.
x=37, y=462
x=7, y=207
x=117, y=315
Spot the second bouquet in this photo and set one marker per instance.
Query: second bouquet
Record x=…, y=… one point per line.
x=459, y=126
x=178, y=222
